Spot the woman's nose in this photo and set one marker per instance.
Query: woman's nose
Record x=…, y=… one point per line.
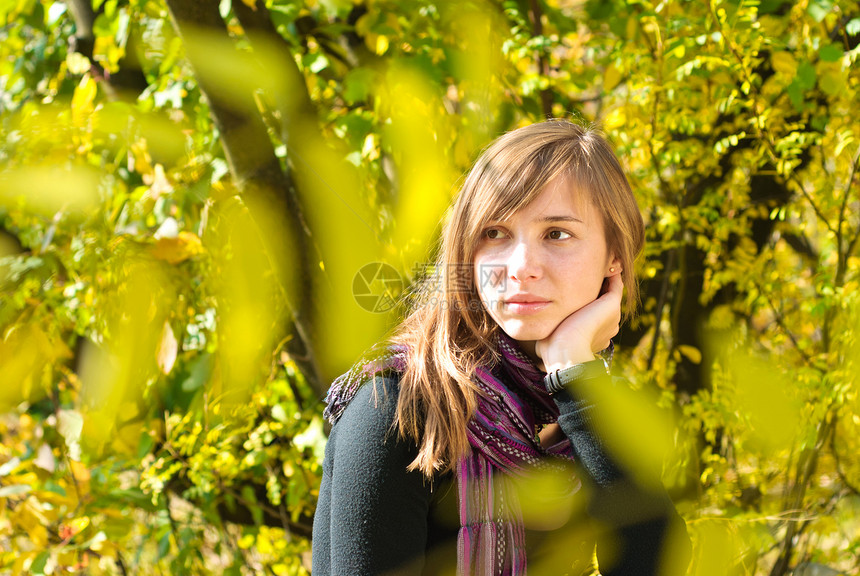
x=523, y=263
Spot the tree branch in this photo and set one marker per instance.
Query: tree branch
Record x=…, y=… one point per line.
x=806, y=465
x=543, y=66
x=839, y=471
x=852, y=244
x=267, y=189
x=661, y=303
x=780, y=321
x=296, y=107
x=129, y=81
x=800, y=244
x=763, y=133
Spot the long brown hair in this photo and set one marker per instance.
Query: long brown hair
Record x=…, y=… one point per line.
x=448, y=332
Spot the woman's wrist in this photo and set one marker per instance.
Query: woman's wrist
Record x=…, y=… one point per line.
x=557, y=380
x=566, y=357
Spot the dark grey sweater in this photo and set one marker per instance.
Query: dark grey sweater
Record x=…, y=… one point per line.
x=374, y=517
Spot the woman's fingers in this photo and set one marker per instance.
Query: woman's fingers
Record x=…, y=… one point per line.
x=586, y=331
x=614, y=287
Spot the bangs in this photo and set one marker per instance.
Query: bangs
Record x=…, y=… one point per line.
x=506, y=183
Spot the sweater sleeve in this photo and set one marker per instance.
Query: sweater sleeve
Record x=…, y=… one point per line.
x=641, y=532
x=372, y=514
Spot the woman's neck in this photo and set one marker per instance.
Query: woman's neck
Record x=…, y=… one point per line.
x=528, y=348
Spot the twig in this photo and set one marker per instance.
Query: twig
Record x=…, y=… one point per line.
x=661, y=303
x=839, y=470
x=781, y=323
x=806, y=466
x=543, y=65
x=852, y=244
x=763, y=133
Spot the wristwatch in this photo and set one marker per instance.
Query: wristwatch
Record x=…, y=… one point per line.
x=559, y=379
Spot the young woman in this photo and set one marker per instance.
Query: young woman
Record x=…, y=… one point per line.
x=471, y=440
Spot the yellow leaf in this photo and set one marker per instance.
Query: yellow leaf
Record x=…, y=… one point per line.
x=381, y=45
x=762, y=397
x=47, y=189
x=23, y=358
x=127, y=438
x=692, y=353
x=82, y=100
x=80, y=471
x=547, y=498
x=715, y=546
x=831, y=82
x=362, y=25
x=640, y=434
x=615, y=119
x=67, y=559
x=264, y=545
x=632, y=27
x=178, y=249
x=167, y=349
x=784, y=63
x=77, y=525
x=678, y=51
x=29, y=519
x=139, y=158
x=611, y=77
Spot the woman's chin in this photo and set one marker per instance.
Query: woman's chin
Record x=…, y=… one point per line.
x=524, y=334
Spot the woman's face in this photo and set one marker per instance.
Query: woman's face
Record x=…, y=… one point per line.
x=543, y=264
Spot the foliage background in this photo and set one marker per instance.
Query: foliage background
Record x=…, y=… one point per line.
x=188, y=189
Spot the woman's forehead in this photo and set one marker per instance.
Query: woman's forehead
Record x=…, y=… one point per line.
x=561, y=193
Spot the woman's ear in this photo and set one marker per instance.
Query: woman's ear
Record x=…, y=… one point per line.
x=614, y=266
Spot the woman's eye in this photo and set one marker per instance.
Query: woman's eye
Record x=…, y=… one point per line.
x=558, y=235
x=494, y=234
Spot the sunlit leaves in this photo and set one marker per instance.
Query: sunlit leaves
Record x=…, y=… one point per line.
x=50, y=190
x=139, y=295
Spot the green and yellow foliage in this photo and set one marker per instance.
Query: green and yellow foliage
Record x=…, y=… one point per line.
x=187, y=190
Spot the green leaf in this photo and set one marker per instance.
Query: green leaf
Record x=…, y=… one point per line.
x=38, y=565
x=600, y=10
x=770, y=6
x=316, y=62
x=806, y=76
x=795, y=94
x=853, y=27
x=56, y=10
x=819, y=9
x=251, y=500
x=164, y=545
x=357, y=84
x=198, y=373
x=831, y=53
x=105, y=27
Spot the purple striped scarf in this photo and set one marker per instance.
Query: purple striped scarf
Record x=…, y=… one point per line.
x=505, y=449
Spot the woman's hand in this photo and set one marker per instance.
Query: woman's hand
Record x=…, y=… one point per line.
x=586, y=331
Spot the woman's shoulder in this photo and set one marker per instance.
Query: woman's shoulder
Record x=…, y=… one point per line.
x=373, y=408
x=365, y=439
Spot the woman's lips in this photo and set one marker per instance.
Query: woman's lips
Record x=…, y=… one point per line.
x=522, y=307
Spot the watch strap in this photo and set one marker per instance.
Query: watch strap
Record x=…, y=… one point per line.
x=558, y=380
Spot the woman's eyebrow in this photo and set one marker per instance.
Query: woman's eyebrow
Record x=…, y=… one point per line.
x=559, y=219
